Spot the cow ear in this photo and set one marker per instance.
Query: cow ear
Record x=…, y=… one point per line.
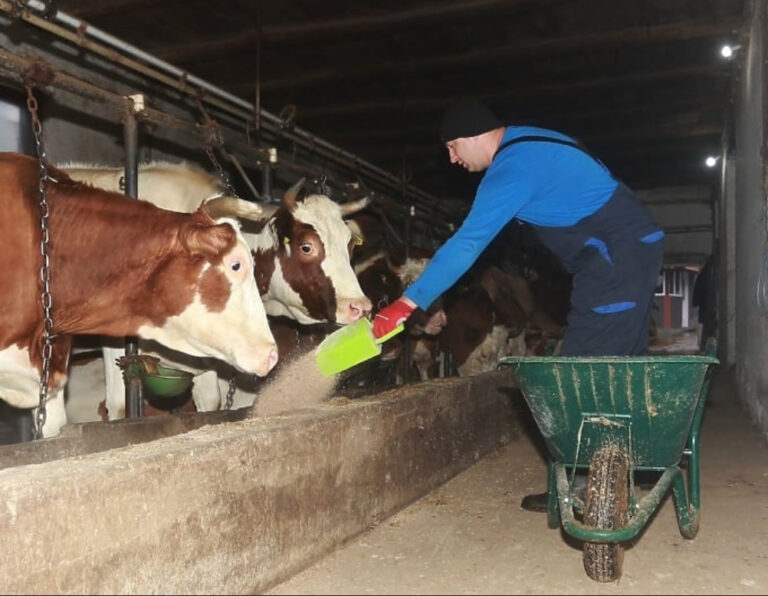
x=488, y=283
x=209, y=241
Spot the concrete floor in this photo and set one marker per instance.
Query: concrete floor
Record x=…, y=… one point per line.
x=471, y=537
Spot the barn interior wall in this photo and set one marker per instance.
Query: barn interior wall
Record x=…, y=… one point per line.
x=688, y=240
x=727, y=281
x=751, y=239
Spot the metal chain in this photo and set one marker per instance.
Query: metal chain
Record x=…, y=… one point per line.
x=322, y=185
x=214, y=138
x=45, y=272
x=219, y=170
x=230, y=393
x=17, y=8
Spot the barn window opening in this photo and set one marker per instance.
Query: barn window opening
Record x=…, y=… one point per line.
x=675, y=282
x=15, y=129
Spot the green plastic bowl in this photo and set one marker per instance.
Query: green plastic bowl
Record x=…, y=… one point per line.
x=168, y=382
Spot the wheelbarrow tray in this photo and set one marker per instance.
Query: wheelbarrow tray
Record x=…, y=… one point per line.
x=646, y=403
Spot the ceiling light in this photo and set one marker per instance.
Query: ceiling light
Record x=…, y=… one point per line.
x=711, y=161
x=727, y=51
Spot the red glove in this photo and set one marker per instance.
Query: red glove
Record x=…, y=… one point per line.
x=391, y=316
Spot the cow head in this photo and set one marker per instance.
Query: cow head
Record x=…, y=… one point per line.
x=225, y=317
x=303, y=261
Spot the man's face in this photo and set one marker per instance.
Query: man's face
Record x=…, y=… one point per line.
x=469, y=153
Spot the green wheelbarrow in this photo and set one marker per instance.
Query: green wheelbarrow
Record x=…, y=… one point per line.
x=613, y=417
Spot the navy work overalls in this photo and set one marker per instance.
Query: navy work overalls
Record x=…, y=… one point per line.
x=615, y=256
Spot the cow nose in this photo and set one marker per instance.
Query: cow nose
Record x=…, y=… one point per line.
x=358, y=308
x=272, y=360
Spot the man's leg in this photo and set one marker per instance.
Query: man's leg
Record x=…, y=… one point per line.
x=622, y=333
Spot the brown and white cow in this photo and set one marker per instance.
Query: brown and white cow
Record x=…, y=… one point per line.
x=384, y=274
x=492, y=314
x=118, y=268
x=301, y=250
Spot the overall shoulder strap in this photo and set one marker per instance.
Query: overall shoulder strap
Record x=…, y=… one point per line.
x=544, y=139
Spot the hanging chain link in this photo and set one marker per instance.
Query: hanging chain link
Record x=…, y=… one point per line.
x=214, y=138
x=45, y=270
x=230, y=392
x=225, y=180
x=321, y=182
x=219, y=170
x=17, y=8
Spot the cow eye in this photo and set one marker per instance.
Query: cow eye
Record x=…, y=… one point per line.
x=306, y=248
x=236, y=265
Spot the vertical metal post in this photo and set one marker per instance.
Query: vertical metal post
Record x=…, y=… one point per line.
x=266, y=175
x=134, y=404
x=266, y=182
x=406, y=347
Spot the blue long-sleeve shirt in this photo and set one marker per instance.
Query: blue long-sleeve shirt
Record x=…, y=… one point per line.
x=542, y=183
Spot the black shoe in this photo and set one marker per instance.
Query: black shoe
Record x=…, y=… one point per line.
x=536, y=503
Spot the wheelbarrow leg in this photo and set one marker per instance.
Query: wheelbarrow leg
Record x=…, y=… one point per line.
x=688, y=499
x=553, y=509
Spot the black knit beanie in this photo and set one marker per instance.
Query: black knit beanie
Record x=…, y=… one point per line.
x=467, y=118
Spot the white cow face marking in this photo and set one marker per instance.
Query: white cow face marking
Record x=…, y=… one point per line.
x=236, y=331
x=324, y=215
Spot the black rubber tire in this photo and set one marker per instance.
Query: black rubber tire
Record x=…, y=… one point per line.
x=606, y=507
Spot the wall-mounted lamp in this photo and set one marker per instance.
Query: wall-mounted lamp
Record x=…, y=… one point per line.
x=727, y=51
x=711, y=161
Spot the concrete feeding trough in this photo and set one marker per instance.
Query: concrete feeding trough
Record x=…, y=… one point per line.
x=228, y=503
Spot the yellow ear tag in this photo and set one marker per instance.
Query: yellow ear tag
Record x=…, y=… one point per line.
x=358, y=240
x=286, y=240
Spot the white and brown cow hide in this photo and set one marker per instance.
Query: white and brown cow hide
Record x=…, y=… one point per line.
x=118, y=268
x=492, y=314
x=384, y=274
x=301, y=250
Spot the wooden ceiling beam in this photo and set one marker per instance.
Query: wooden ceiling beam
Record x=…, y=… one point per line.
x=656, y=136
x=614, y=152
x=694, y=109
x=361, y=23
x=311, y=30
x=679, y=31
x=88, y=9
x=631, y=36
x=529, y=91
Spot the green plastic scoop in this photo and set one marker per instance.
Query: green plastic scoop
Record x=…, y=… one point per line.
x=349, y=346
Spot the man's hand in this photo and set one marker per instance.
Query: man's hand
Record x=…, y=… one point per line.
x=391, y=316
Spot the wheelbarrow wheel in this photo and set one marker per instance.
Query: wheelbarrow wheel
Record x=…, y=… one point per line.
x=606, y=507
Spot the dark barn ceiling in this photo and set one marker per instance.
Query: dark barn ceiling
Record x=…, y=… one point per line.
x=640, y=82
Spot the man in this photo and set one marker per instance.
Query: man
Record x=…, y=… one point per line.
x=704, y=298
x=591, y=221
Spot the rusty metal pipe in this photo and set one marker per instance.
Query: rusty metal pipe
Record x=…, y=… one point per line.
x=134, y=402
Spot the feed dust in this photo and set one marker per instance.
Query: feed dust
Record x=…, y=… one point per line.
x=298, y=384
